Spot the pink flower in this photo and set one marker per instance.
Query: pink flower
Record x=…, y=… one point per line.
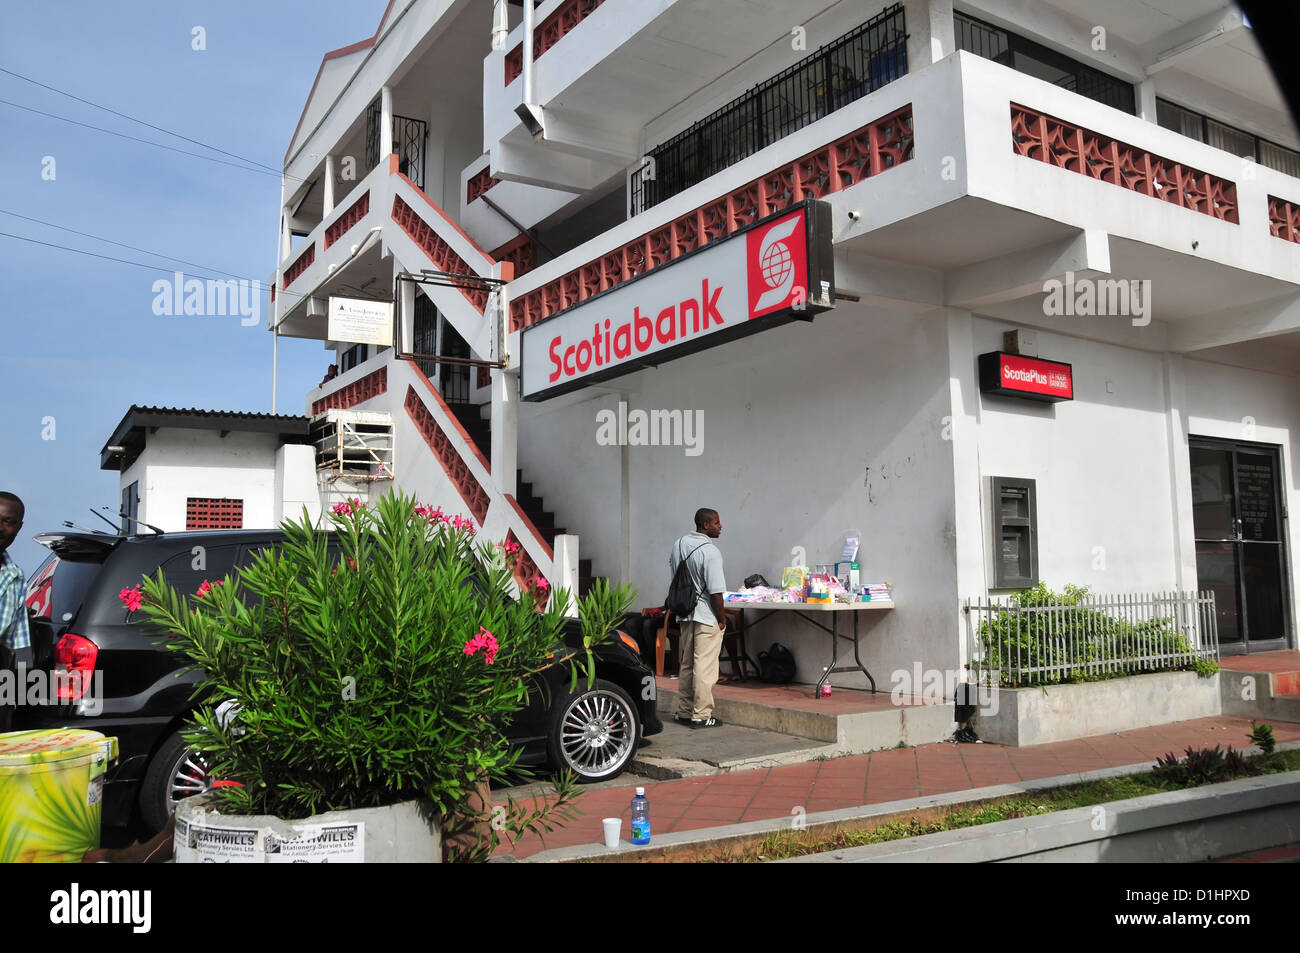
x=206, y=587
x=132, y=598
x=432, y=514
x=511, y=547
x=541, y=583
x=342, y=509
x=484, y=640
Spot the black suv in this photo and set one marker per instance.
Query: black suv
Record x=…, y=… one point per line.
x=136, y=692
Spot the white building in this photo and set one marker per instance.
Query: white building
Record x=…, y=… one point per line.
x=1123, y=193
x=205, y=469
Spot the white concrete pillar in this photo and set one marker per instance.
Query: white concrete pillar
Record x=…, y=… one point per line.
x=329, y=184
x=286, y=239
x=961, y=432
x=505, y=428
x=1180, y=471
x=930, y=32
x=406, y=325
x=625, y=513
x=385, y=124
x=1146, y=100
x=500, y=24
x=565, y=571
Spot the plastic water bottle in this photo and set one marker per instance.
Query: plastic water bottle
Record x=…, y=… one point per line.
x=826, y=686
x=640, y=818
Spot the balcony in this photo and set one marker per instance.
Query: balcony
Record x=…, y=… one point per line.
x=858, y=63
x=387, y=225
x=973, y=184
x=589, y=53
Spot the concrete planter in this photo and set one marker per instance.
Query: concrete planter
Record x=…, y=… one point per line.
x=1035, y=716
x=400, y=833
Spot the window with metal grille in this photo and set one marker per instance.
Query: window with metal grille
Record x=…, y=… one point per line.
x=1026, y=56
x=1198, y=126
x=203, y=512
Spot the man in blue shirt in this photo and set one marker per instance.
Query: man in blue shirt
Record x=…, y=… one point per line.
x=702, y=631
x=14, y=638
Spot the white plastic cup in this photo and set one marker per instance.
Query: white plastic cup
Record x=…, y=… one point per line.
x=613, y=830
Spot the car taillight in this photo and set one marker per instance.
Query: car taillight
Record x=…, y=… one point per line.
x=74, y=666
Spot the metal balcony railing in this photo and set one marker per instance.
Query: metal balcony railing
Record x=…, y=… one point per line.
x=409, y=138
x=840, y=72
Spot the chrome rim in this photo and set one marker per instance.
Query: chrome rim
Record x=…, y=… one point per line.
x=189, y=777
x=597, y=734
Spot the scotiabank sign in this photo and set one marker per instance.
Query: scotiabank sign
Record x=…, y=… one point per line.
x=777, y=270
x=1014, y=375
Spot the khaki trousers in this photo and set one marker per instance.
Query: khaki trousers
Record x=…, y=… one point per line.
x=700, y=644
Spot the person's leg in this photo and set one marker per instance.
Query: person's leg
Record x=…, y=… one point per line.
x=686, y=670
x=708, y=646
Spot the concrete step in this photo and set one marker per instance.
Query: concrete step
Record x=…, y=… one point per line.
x=881, y=725
x=1262, y=695
x=682, y=752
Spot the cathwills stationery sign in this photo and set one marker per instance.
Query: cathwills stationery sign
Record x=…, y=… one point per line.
x=1014, y=375
x=774, y=271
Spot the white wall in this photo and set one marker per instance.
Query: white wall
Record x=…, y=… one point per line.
x=810, y=431
x=1101, y=462
x=295, y=483
x=200, y=463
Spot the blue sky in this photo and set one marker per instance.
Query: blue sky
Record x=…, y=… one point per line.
x=82, y=343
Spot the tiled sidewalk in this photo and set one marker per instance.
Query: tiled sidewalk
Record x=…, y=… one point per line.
x=767, y=793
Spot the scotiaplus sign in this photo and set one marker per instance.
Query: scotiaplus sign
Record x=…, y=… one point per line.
x=774, y=271
x=1014, y=375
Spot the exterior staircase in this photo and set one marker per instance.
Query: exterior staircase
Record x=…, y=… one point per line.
x=479, y=428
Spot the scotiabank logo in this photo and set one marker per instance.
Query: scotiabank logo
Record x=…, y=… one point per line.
x=777, y=265
x=612, y=345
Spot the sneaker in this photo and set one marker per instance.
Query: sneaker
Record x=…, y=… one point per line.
x=705, y=722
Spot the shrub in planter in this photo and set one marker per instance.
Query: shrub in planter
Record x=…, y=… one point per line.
x=373, y=671
x=1086, y=643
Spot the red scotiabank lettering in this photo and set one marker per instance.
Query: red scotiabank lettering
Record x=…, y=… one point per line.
x=638, y=334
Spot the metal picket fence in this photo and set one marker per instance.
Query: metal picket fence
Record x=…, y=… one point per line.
x=1013, y=641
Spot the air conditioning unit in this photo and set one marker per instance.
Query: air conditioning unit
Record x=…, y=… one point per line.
x=352, y=444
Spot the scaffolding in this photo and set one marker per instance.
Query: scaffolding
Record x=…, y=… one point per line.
x=353, y=445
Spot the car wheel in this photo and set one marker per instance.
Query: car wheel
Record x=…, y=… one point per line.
x=594, y=733
x=176, y=772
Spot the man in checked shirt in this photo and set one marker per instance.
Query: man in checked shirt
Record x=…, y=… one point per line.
x=14, y=638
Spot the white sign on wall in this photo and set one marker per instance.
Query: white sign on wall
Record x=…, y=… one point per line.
x=359, y=321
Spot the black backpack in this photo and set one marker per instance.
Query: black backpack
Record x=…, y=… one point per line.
x=776, y=665
x=682, y=596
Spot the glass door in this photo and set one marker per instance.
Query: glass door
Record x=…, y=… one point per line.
x=1240, y=556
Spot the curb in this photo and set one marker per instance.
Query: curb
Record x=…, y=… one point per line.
x=597, y=852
